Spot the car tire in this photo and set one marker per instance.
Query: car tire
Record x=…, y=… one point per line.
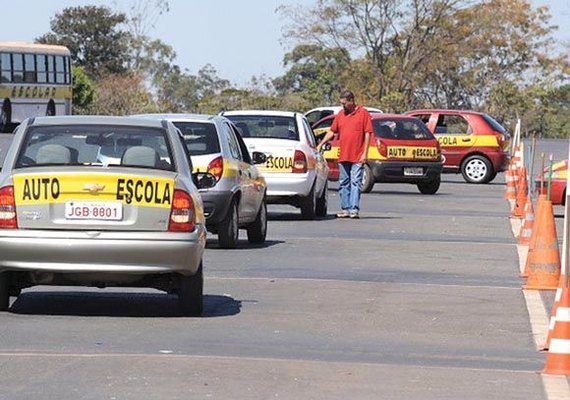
x=190, y=294
x=476, y=169
x=4, y=291
x=228, y=229
x=430, y=187
x=367, y=179
x=323, y=202
x=309, y=205
x=257, y=231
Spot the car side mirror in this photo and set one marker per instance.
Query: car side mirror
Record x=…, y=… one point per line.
x=258, y=157
x=326, y=147
x=204, y=180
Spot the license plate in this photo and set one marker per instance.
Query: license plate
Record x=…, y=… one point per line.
x=413, y=171
x=95, y=210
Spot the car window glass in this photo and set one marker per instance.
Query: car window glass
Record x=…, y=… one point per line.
x=199, y=137
x=96, y=145
x=235, y=151
x=494, y=124
x=267, y=126
x=310, y=134
x=423, y=117
x=242, y=145
x=401, y=129
x=324, y=124
x=452, y=125
x=313, y=116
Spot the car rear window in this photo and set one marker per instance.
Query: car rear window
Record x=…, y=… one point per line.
x=200, y=137
x=403, y=129
x=494, y=124
x=266, y=126
x=103, y=145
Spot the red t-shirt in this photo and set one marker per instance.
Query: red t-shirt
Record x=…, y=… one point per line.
x=351, y=129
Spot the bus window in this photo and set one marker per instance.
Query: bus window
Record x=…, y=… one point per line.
x=18, y=67
x=5, y=67
x=59, y=69
x=41, y=68
x=29, y=68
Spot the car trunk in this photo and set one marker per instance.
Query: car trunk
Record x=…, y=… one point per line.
x=280, y=154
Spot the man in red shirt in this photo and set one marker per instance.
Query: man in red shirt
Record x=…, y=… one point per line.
x=354, y=126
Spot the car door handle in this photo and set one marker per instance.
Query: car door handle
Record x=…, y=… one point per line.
x=466, y=140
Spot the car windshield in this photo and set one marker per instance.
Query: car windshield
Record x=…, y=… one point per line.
x=494, y=124
x=402, y=129
x=266, y=126
x=95, y=145
x=200, y=137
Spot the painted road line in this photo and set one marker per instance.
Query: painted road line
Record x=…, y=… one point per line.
x=523, y=254
x=538, y=316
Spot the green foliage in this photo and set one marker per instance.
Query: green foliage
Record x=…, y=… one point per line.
x=83, y=91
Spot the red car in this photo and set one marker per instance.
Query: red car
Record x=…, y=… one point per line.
x=402, y=150
x=472, y=143
x=559, y=181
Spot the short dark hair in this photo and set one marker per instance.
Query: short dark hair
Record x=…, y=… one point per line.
x=347, y=94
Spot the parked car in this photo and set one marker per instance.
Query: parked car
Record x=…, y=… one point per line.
x=402, y=150
x=472, y=143
x=316, y=114
x=295, y=171
x=101, y=201
x=237, y=200
x=559, y=182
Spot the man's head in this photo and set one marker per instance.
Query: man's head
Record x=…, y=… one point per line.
x=347, y=101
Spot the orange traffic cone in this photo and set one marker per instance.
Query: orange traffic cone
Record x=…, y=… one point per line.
x=552, y=321
x=558, y=357
x=522, y=194
x=544, y=261
x=511, y=192
x=533, y=237
x=526, y=230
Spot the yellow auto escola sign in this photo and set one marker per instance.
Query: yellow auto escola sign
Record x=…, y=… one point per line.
x=33, y=189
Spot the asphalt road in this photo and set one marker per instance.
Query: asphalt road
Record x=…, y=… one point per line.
x=419, y=299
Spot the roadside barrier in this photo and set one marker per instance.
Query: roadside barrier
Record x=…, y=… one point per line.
x=532, y=243
x=544, y=261
x=511, y=191
x=522, y=194
x=526, y=229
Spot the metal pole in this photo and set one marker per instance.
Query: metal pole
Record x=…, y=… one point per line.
x=549, y=177
x=541, y=173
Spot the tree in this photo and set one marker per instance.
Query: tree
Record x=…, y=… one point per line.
x=95, y=37
x=83, y=91
x=122, y=94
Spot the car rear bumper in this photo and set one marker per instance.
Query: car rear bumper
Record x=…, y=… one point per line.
x=216, y=205
x=288, y=185
x=108, y=253
x=393, y=171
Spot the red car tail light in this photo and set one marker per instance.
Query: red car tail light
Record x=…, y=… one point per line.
x=299, y=162
x=182, y=215
x=8, y=218
x=216, y=167
x=382, y=149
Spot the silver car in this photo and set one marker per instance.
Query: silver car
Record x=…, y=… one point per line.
x=101, y=201
x=295, y=171
x=238, y=197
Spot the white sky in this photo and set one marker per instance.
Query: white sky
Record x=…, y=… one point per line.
x=239, y=38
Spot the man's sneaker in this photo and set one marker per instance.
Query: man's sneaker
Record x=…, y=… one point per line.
x=343, y=214
x=354, y=215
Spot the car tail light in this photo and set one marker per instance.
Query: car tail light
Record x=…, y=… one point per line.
x=216, y=167
x=382, y=149
x=182, y=215
x=299, y=162
x=8, y=218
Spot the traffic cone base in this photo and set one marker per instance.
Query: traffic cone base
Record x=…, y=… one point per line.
x=558, y=358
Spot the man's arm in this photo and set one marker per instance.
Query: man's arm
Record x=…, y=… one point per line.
x=328, y=136
x=364, y=156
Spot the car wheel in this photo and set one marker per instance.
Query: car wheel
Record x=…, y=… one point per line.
x=257, y=231
x=367, y=179
x=323, y=202
x=308, y=205
x=493, y=176
x=190, y=294
x=476, y=169
x=430, y=187
x=228, y=230
x=4, y=291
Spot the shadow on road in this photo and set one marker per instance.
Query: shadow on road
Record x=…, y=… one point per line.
x=213, y=244
x=115, y=304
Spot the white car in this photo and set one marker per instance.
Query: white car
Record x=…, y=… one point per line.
x=319, y=113
x=295, y=172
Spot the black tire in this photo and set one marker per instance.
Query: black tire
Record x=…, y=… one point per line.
x=228, y=229
x=190, y=294
x=257, y=231
x=430, y=187
x=477, y=169
x=493, y=176
x=5, y=117
x=367, y=179
x=309, y=205
x=4, y=291
x=323, y=202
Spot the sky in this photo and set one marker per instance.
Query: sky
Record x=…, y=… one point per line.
x=239, y=38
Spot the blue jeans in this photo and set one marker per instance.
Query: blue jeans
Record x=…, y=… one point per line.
x=350, y=181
